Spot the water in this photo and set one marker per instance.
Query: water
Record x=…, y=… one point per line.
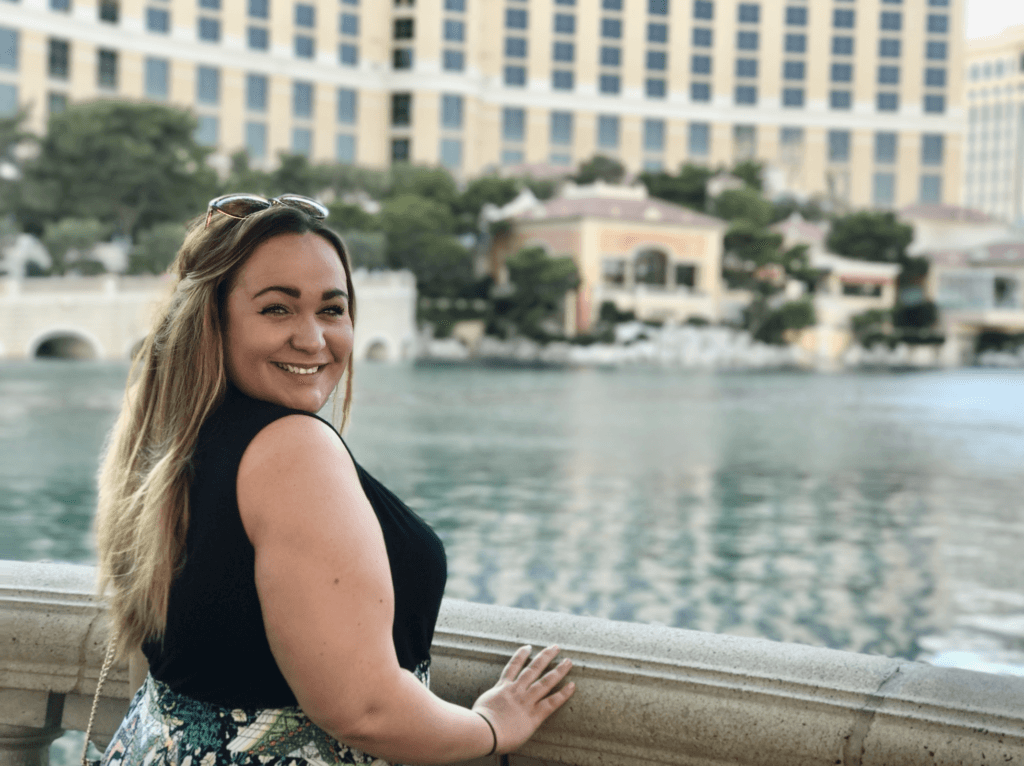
x=873, y=513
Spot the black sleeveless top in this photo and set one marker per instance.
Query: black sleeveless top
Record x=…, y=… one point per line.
x=215, y=647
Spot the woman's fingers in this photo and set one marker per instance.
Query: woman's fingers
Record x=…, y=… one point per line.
x=515, y=664
x=537, y=666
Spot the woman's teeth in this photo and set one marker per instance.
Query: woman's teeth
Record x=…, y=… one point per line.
x=298, y=370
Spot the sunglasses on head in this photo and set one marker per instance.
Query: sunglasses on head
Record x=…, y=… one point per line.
x=243, y=205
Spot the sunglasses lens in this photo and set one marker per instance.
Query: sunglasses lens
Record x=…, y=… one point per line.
x=308, y=206
x=239, y=205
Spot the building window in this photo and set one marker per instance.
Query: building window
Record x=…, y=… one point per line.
x=454, y=31
x=304, y=47
x=515, y=47
x=746, y=67
x=563, y=51
x=561, y=128
x=888, y=75
x=610, y=56
x=703, y=9
x=700, y=64
x=207, y=130
x=884, y=189
x=58, y=59
x=513, y=124
x=611, y=5
x=213, y=5
x=560, y=158
x=455, y=5
x=613, y=271
x=654, y=135
x=890, y=21
x=209, y=29
x=515, y=18
x=608, y=131
x=305, y=15
x=744, y=139
x=842, y=18
x=401, y=110
x=842, y=46
x=796, y=16
x=609, y=83
x=158, y=20
x=657, y=60
x=889, y=49
x=746, y=95
x=259, y=9
x=657, y=33
x=702, y=37
x=110, y=11
x=348, y=24
x=839, y=146
x=256, y=140
x=938, y=23
x=749, y=13
x=348, y=106
x=302, y=99
x=888, y=102
x=885, y=148
x=511, y=157
x=842, y=73
x=453, y=60
x=657, y=7
x=61, y=6
x=348, y=54
x=8, y=99
x=451, y=111
x=302, y=141
x=451, y=153
x=796, y=43
x=655, y=87
x=747, y=41
x=936, y=78
x=515, y=76
x=404, y=29
x=156, y=78
x=839, y=99
x=401, y=150
x=932, y=149
x=700, y=91
x=401, y=58
x=565, y=24
x=793, y=97
x=106, y=73
x=931, y=189
x=699, y=139
x=611, y=28
x=935, y=50
x=793, y=70
x=345, y=148
x=934, y=103
x=56, y=103
x=208, y=85
x=561, y=79
x=256, y=93
x=259, y=40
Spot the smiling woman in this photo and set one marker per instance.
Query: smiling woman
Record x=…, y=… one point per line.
x=284, y=599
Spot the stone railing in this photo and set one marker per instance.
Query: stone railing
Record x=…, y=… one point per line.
x=645, y=694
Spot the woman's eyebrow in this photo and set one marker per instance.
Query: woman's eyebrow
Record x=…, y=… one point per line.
x=296, y=293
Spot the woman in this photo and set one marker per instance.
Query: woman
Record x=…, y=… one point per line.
x=284, y=599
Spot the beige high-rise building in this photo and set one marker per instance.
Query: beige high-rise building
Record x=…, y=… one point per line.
x=994, y=177
x=858, y=101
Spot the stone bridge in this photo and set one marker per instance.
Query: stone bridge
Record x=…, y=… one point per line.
x=106, y=317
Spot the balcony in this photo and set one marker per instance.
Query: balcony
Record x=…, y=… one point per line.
x=645, y=694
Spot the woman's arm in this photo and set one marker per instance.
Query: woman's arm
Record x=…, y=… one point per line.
x=325, y=589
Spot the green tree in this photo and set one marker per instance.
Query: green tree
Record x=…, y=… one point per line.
x=366, y=249
x=345, y=217
x=600, y=168
x=155, y=248
x=128, y=165
x=435, y=184
x=870, y=236
x=479, y=192
x=295, y=175
x=419, y=234
x=744, y=204
x=540, y=283
x=70, y=242
x=750, y=171
x=689, y=188
x=242, y=177
x=343, y=179
x=775, y=323
x=12, y=134
x=785, y=207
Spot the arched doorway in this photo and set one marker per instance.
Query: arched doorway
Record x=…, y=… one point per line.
x=65, y=345
x=377, y=351
x=651, y=268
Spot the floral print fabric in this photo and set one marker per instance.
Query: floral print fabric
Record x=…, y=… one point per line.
x=164, y=728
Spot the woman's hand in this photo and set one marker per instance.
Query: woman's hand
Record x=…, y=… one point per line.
x=523, y=699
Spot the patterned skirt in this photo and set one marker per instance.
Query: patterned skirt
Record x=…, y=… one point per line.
x=164, y=728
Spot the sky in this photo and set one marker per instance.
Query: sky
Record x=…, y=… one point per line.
x=990, y=17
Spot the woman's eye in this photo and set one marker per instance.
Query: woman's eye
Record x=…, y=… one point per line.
x=274, y=309
x=337, y=311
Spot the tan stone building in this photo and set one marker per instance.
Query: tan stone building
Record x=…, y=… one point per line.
x=660, y=261
x=994, y=175
x=860, y=101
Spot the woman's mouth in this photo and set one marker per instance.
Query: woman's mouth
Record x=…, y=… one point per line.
x=293, y=368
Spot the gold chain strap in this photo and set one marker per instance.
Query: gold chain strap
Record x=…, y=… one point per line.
x=108, y=660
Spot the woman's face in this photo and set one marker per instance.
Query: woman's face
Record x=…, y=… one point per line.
x=288, y=333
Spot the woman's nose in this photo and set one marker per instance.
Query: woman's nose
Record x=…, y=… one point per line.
x=308, y=336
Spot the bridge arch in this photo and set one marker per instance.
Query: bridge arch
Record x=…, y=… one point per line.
x=65, y=343
x=377, y=350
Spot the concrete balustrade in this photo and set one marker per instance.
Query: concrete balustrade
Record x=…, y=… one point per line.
x=646, y=694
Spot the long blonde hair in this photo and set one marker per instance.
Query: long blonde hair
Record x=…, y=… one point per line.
x=177, y=379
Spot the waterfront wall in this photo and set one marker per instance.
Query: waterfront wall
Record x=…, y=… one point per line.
x=645, y=694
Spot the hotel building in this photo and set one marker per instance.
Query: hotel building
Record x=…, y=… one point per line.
x=994, y=175
x=859, y=101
